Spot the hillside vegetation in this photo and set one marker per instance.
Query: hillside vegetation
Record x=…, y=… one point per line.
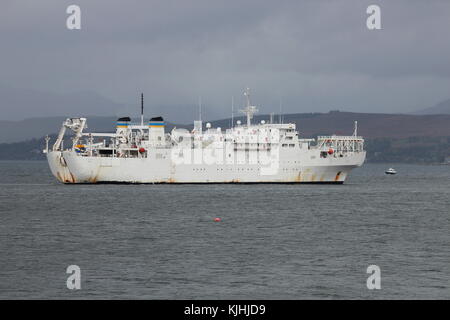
x=389, y=137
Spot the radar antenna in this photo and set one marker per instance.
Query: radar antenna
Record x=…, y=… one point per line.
x=249, y=110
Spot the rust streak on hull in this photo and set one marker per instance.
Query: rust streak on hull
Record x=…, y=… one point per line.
x=337, y=176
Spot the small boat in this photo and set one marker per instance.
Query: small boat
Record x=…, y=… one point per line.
x=390, y=171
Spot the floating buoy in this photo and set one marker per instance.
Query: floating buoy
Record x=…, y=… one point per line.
x=330, y=151
x=141, y=150
x=217, y=219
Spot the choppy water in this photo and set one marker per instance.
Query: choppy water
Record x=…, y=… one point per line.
x=274, y=241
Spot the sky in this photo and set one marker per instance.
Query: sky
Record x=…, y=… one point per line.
x=305, y=56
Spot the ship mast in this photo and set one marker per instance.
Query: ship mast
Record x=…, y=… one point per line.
x=200, y=108
x=232, y=112
x=142, y=109
x=249, y=110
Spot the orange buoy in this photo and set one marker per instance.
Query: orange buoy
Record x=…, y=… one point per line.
x=217, y=219
x=330, y=151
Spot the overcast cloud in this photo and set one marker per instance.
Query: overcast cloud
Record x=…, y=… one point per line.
x=313, y=55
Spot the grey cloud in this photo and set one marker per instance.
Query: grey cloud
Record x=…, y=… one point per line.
x=312, y=55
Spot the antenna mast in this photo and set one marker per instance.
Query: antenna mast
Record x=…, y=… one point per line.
x=280, y=117
x=200, y=107
x=142, y=109
x=232, y=111
x=249, y=110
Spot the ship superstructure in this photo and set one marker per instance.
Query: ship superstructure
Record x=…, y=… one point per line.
x=266, y=152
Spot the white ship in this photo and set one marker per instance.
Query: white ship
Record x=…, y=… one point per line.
x=265, y=152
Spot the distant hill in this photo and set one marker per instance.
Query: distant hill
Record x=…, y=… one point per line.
x=440, y=108
x=392, y=150
x=17, y=131
x=389, y=137
x=370, y=125
x=17, y=103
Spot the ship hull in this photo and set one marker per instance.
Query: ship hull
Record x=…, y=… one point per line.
x=69, y=167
